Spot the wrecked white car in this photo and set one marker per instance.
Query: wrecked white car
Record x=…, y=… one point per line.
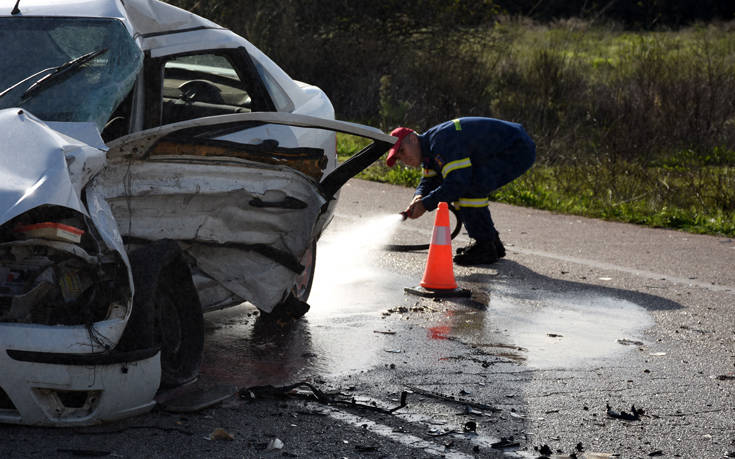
x=154, y=166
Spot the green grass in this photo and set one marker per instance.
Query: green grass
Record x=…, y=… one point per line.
x=675, y=192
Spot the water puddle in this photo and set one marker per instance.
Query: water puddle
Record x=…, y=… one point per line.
x=558, y=331
x=345, y=332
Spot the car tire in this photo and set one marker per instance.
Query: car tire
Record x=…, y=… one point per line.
x=166, y=310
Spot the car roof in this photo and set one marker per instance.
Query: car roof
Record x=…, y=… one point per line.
x=143, y=17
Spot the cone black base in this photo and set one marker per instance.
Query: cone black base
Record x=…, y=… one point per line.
x=438, y=292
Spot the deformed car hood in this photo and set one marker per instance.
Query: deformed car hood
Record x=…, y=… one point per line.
x=41, y=166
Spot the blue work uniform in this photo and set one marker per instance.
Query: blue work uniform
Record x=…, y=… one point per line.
x=466, y=159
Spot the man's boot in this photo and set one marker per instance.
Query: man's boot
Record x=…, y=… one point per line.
x=477, y=253
x=499, y=246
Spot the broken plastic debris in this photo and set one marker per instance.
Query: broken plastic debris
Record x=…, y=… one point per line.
x=657, y=354
x=634, y=414
x=393, y=351
x=274, y=444
x=221, y=434
x=605, y=278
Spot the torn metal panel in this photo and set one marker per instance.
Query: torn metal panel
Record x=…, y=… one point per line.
x=225, y=202
x=248, y=274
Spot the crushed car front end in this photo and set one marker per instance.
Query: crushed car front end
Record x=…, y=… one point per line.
x=65, y=285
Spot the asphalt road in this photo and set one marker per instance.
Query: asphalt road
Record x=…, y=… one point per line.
x=590, y=338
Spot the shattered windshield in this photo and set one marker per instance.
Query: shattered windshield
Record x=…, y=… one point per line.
x=33, y=47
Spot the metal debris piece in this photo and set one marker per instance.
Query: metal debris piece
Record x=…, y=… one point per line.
x=313, y=392
x=479, y=406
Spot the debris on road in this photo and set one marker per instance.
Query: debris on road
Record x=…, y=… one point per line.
x=470, y=426
x=505, y=443
x=554, y=335
x=221, y=434
x=634, y=415
x=312, y=392
x=384, y=332
x=726, y=377
x=450, y=398
x=630, y=342
x=274, y=444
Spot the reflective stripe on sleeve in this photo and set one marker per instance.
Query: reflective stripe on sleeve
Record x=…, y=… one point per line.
x=429, y=173
x=454, y=165
x=473, y=202
x=457, y=126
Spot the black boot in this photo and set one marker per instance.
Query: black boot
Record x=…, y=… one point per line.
x=499, y=246
x=477, y=253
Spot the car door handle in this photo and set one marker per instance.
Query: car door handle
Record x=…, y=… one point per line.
x=287, y=203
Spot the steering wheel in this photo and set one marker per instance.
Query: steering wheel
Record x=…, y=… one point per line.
x=201, y=91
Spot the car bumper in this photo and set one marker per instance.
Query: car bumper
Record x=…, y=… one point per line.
x=80, y=386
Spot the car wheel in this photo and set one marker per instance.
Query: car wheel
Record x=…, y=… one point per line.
x=167, y=311
x=180, y=329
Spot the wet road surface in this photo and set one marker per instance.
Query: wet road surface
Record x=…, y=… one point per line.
x=582, y=320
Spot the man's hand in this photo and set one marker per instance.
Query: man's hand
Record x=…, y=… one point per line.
x=416, y=208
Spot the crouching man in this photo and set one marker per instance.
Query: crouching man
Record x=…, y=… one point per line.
x=464, y=160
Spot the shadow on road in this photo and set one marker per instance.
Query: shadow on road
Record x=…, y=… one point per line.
x=524, y=283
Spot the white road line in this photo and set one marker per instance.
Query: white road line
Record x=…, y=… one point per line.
x=408, y=440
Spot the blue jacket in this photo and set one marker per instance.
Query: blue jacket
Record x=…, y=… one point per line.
x=471, y=156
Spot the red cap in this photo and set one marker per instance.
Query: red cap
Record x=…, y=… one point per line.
x=399, y=132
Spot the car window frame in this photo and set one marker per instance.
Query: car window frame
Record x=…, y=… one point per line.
x=239, y=59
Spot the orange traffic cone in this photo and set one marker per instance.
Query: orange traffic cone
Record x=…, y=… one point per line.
x=439, y=274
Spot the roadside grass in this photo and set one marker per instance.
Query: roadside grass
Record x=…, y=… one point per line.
x=683, y=191
x=631, y=126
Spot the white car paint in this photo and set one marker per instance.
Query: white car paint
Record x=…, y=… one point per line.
x=201, y=202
